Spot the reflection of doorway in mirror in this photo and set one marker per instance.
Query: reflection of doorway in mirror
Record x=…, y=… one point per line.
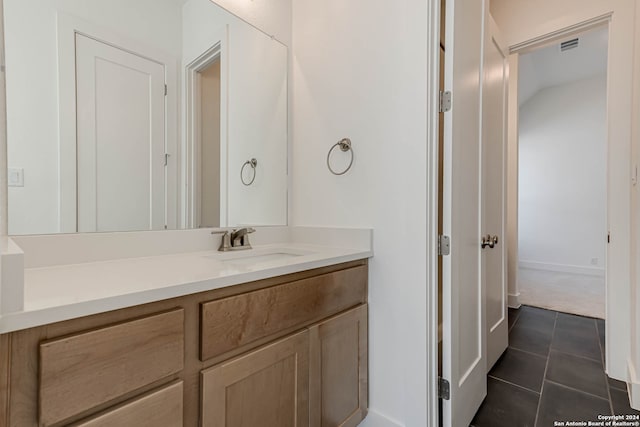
x=205, y=145
x=120, y=139
x=208, y=84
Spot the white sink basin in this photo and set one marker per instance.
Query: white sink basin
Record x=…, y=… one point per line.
x=260, y=256
x=257, y=258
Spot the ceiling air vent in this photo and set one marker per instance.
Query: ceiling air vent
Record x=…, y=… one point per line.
x=569, y=44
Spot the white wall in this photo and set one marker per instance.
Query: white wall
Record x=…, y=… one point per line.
x=522, y=21
x=360, y=71
x=562, y=177
x=32, y=89
x=256, y=117
x=271, y=16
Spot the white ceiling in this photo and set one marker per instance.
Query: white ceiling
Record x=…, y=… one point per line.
x=548, y=67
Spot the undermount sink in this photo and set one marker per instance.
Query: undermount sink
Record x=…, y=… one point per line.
x=256, y=259
x=260, y=256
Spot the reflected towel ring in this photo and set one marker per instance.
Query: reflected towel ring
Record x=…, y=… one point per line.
x=345, y=145
x=253, y=163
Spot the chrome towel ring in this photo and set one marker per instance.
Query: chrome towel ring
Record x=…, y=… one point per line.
x=253, y=163
x=345, y=145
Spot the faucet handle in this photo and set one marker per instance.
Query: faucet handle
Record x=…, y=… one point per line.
x=225, y=244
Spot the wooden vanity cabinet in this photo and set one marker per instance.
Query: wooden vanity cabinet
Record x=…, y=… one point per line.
x=285, y=351
x=315, y=378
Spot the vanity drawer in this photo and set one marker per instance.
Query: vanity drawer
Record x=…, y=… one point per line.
x=160, y=408
x=83, y=371
x=233, y=322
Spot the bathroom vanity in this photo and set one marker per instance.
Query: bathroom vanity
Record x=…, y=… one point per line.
x=287, y=349
x=156, y=132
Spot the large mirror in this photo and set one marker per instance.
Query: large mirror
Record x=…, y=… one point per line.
x=128, y=115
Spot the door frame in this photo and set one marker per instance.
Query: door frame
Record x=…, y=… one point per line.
x=189, y=167
x=434, y=14
x=619, y=150
x=67, y=28
x=513, y=141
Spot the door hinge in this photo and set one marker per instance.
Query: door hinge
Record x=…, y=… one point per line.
x=166, y=158
x=608, y=237
x=445, y=101
x=166, y=90
x=444, y=245
x=444, y=390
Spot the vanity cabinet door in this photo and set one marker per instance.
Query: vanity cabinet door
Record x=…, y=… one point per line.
x=338, y=367
x=268, y=387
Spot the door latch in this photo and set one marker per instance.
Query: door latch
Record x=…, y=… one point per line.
x=444, y=389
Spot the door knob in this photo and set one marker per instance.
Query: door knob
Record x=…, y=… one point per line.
x=490, y=241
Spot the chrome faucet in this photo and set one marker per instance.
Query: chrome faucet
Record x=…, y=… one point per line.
x=235, y=240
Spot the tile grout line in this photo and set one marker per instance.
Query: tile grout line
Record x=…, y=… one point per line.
x=560, y=351
x=578, y=356
x=530, y=353
x=604, y=368
x=514, y=384
x=544, y=376
x=576, y=390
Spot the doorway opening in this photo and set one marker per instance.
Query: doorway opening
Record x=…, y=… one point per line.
x=562, y=176
x=208, y=141
x=557, y=335
x=204, y=161
x=561, y=337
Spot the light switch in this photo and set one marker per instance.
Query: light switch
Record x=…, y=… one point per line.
x=16, y=177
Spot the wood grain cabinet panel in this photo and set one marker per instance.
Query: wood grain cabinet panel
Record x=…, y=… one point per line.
x=160, y=408
x=83, y=371
x=268, y=387
x=338, y=367
x=5, y=373
x=239, y=320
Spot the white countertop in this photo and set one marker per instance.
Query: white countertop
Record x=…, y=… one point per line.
x=55, y=293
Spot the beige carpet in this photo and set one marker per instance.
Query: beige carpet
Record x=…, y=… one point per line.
x=565, y=292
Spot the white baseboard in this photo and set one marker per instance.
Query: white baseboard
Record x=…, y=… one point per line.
x=376, y=419
x=633, y=387
x=562, y=268
x=513, y=300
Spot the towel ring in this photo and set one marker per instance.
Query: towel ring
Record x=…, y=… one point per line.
x=253, y=163
x=345, y=145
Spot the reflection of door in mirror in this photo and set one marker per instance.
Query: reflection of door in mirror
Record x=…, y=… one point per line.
x=208, y=140
x=120, y=139
x=130, y=115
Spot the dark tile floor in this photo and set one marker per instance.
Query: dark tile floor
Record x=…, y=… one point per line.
x=552, y=371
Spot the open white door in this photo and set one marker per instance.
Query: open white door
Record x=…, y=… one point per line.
x=494, y=139
x=464, y=331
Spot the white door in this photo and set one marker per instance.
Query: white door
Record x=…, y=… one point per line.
x=464, y=332
x=494, y=138
x=120, y=139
